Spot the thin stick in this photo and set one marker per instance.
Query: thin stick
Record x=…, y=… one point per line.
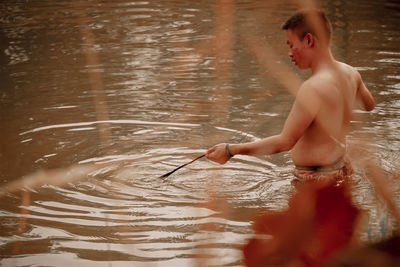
x=171, y=172
x=199, y=157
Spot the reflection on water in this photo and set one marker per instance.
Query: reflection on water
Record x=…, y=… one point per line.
x=125, y=91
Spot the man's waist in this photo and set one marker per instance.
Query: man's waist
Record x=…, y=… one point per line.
x=336, y=165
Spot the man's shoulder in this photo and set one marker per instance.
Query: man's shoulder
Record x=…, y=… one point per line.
x=351, y=72
x=329, y=77
x=344, y=64
x=320, y=87
x=349, y=69
x=309, y=90
x=316, y=82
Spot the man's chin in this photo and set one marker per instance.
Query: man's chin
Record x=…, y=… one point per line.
x=299, y=66
x=302, y=67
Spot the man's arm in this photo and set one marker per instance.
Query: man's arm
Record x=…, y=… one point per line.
x=302, y=114
x=364, y=99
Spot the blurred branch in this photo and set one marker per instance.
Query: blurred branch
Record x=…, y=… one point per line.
x=362, y=155
x=95, y=78
x=57, y=177
x=268, y=61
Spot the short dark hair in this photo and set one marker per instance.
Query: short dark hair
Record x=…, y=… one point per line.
x=307, y=21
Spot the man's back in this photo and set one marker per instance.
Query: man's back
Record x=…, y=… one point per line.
x=323, y=142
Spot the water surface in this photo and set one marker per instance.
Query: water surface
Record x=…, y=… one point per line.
x=144, y=86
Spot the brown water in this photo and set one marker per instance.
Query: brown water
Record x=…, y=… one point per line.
x=143, y=87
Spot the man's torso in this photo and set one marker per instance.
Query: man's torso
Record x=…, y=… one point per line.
x=324, y=141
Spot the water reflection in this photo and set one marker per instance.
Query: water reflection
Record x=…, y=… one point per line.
x=122, y=92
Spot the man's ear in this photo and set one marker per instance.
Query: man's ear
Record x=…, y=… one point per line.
x=309, y=38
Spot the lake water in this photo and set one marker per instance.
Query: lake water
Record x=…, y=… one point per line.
x=100, y=98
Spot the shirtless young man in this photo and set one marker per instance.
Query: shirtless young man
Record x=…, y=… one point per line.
x=315, y=130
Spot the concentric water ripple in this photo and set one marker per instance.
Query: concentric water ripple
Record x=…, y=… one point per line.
x=101, y=98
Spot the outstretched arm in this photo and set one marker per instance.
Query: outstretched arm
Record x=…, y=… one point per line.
x=299, y=119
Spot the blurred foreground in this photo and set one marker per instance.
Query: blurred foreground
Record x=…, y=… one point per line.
x=319, y=228
x=99, y=98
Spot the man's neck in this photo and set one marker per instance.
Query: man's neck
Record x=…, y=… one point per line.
x=323, y=59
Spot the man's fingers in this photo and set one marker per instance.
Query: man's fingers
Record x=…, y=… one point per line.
x=210, y=151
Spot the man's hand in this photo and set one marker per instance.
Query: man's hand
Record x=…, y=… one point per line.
x=218, y=154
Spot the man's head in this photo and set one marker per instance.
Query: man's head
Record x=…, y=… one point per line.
x=310, y=20
x=305, y=30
